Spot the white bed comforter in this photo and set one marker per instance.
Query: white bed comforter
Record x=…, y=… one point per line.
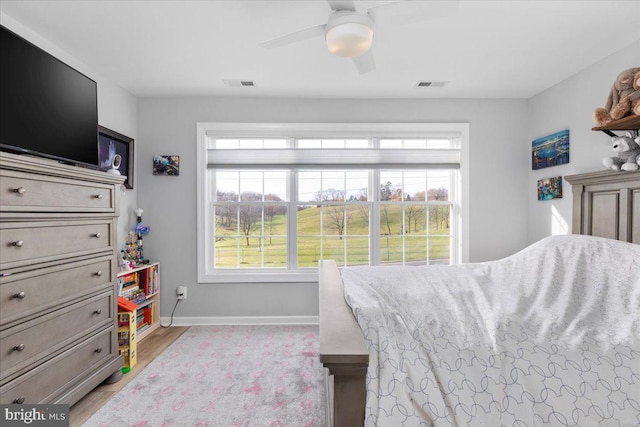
x=547, y=337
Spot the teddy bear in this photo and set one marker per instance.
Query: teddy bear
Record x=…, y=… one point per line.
x=623, y=99
x=628, y=153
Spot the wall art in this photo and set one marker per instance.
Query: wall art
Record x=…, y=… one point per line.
x=550, y=188
x=166, y=165
x=551, y=150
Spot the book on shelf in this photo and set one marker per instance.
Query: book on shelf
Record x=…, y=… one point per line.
x=139, y=299
x=149, y=279
x=128, y=290
x=156, y=278
x=136, y=296
x=145, y=315
x=146, y=280
x=129, y=278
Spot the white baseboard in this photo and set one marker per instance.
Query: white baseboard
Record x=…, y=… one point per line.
x=241, y=320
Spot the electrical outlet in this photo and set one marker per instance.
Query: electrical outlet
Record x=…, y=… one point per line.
x=181, y=292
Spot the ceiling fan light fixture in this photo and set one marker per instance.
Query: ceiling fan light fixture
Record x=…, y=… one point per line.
x=349, y=34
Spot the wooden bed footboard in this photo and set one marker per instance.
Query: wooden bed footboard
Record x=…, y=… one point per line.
x=343, y=352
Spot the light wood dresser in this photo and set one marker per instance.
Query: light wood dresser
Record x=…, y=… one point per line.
x=58, y=266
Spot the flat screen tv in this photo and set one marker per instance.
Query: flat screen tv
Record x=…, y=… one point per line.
x=48, y=108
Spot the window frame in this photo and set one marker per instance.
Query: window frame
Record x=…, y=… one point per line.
x=326, y=131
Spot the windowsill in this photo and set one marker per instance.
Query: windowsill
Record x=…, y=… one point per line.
x=253, y=276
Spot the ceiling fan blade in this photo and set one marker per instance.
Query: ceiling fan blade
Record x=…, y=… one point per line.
x=342, y=4
x=365, y=62
x=411, y=11
x=305, y=34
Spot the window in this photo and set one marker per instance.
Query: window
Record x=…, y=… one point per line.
x=273, y=200
x=250, y=213
x=333, y=217
x=415, y=216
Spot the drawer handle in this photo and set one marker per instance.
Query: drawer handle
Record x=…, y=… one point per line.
x=18, y=347
x=20, y=295
x=98, y=350
x=97, y=311
x=20, y=190
x=97, y=235
x=17, y=243
x=98, y=273
x=19, y=401
x=99, y=196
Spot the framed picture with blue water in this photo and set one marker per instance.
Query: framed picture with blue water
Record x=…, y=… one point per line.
x=550, y=150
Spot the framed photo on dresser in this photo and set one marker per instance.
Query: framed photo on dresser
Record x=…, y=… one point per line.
x=111, y=143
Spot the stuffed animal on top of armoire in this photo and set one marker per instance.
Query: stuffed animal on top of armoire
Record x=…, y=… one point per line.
x=623, y=99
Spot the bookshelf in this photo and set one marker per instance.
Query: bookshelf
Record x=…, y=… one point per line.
x=142, y=286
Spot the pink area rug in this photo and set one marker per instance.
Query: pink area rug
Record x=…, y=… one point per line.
x=248, y=376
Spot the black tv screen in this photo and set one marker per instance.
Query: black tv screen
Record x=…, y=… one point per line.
x=48, y=108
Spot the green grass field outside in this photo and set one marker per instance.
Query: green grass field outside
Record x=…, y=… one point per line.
x=327, y=233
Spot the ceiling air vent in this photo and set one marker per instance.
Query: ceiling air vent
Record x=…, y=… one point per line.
x=239, y=83
x=429, y=83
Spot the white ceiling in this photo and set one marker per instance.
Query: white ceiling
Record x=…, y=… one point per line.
x=488, y=49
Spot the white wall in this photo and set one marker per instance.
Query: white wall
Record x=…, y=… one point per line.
x=570, y=105
x=117, y=109
x=504, y=212
x=167, y=126
x=497, y=208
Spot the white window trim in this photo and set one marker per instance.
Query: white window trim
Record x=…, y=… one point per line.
x=322, y=158
x=309, y=130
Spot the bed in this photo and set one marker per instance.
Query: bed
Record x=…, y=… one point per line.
x=548, y=336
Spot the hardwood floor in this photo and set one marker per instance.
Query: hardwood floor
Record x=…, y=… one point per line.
x=148, y=349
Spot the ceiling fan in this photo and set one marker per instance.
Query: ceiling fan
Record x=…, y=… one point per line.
x=350, y=28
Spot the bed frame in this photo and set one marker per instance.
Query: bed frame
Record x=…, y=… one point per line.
x=343, y=352
x=605, y=204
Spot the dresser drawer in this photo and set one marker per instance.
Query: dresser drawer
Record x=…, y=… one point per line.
x=43, y=384
x=28, y=343
x=26, y=294
x=29, y=243
x=40, y=193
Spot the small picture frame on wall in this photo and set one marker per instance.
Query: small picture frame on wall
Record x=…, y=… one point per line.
x=111, y=143
x=550, y=150
x=550, y=188
x=168, y=165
